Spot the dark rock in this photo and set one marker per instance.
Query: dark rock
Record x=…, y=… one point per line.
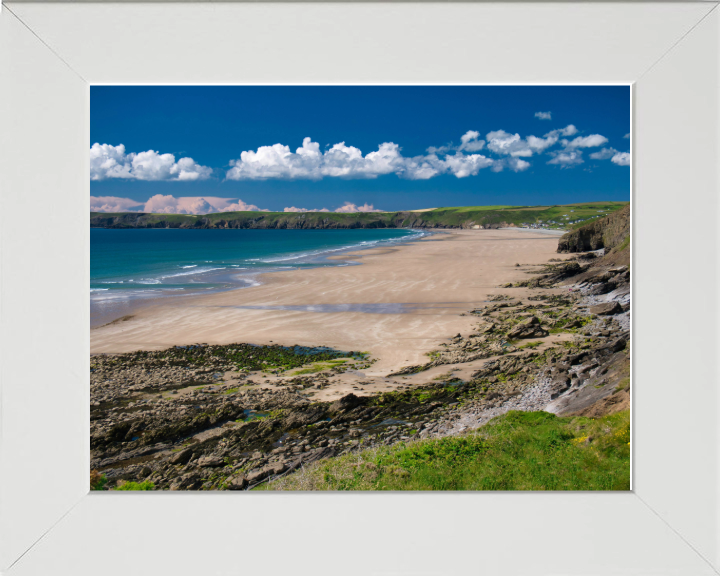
x=574, y=359
x=347, y=402
x=619, y=344
x=182, y=457
x=559, y=385
x=303, y=417
x=238, y=482
x=606, y=309
x=277, y=468
x=210, y=461
x=528, y=328
x=257, y=476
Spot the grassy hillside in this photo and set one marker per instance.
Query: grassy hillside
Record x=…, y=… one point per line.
x=553, y=217
x=515, y=451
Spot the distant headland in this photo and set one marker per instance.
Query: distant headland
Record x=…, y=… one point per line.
x=556, y=217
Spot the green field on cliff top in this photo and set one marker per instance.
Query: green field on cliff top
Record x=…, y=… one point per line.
x=554, y=217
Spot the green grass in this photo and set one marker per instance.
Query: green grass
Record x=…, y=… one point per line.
x=473, y=208
x=516, y=451
x=623, y=385
x=320, y=367
x=97, y=480
x=136, y=486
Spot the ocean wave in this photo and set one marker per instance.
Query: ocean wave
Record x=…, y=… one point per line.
x=364, y=244
x=250, y=281
x=193, y=272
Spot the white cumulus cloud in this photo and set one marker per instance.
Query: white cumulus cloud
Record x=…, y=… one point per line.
x=471, y=141
x=543, y=115
x=539, y=144
x=504, y=143
x=567, y=158
x=341, y=161
x=615, y=156
x=309, y=163
x=462, y=166
x=586, y=141
x=108, y=161
x=621, y=159
x=569, y=130
x=514, y=164
x=603, y=154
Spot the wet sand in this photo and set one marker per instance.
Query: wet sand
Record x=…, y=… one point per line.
x=398, y=304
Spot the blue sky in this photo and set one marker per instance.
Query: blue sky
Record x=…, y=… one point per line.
x=204, y=149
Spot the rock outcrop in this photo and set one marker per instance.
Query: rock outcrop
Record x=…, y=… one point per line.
x=607, y=233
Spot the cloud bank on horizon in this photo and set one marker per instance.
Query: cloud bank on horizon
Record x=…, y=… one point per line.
x=168, y=204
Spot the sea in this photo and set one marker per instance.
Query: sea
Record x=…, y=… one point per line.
x=130, y=268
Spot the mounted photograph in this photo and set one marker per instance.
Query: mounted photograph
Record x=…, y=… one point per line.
x=396, y=288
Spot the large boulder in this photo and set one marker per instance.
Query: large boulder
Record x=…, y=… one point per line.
x=347, y=402
x=606, y=309
x=182, y=457
x=528, y=328
x=210, y=462
x=238, y=482
x=257, y=475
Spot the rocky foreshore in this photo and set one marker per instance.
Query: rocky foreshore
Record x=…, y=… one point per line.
x=234, y=416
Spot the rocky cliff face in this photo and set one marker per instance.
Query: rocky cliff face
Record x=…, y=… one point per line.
x=607, y=233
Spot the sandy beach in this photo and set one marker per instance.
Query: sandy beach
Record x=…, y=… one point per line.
x=398, y=303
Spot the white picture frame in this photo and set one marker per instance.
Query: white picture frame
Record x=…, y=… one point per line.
x=50, y=53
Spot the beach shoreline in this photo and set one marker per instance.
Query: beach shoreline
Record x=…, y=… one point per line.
x=424, y=286
x=122, y=295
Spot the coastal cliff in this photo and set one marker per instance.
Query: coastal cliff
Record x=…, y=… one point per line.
x=607, y=233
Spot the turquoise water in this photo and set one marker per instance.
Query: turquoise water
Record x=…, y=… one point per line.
x=134, y=265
